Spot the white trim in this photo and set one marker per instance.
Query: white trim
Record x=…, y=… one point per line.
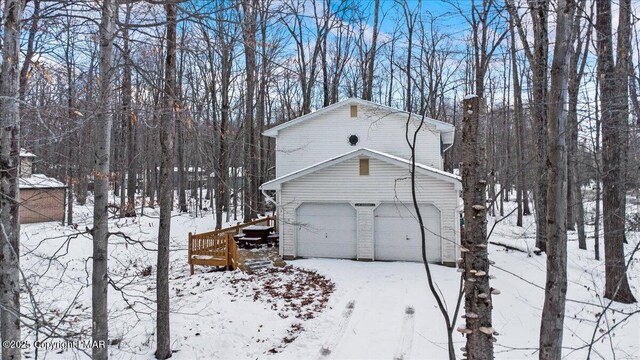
x=440, y=125
x=275, y=184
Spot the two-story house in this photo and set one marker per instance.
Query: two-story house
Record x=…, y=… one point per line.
x=343, y=185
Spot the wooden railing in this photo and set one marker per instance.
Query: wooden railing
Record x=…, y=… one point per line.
x=218, y=248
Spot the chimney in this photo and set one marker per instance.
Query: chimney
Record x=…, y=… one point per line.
x=26, y=164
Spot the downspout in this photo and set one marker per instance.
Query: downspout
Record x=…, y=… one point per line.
x=277, y=227
x=447, y=148
x=269, y=198
x=451, y=145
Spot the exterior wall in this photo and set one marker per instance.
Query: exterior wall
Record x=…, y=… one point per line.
x=26, y=166
x=41, y=205
x=385, y=183
x=324, y=137
x=365, y=232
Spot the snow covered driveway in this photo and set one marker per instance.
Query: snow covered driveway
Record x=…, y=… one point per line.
x=378, y=327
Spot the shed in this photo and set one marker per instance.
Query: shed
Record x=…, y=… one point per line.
x=42, y=198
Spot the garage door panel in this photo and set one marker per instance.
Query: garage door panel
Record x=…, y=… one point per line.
x=397, y=232
x=326, y=230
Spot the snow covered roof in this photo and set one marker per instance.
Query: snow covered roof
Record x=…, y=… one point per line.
x=39, y=181
x=428, y=170
x=25, y=153
x=446, y=129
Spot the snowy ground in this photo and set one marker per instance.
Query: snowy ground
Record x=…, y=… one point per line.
x=338, y=309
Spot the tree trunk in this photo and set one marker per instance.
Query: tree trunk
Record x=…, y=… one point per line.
x=517, y=119
x=249, y=168
x=578, y=57
x=72, y=116
x=539, y=13
x=477, y=302
x=100, y=281
x=614, y=105
x=552, y=323
x=182, y=180
x=163, y=333
x=597, y=160
x=222, y=165
x=367, y=87
x=131, y=121
x=69, y=192
x=9, y=163
x=30, y=51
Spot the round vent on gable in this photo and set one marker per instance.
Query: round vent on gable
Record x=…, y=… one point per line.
x=353, y=140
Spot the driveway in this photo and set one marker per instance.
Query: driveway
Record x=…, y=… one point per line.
x=379, y=310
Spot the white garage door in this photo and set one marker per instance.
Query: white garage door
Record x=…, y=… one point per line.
x=397, y=232
x=326, y=230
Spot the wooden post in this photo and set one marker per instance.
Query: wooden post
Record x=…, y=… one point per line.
x=189, y=254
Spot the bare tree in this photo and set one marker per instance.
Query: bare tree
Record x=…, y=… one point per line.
x=249, y=8
x=9, y=163
x=367, y=86
x=163, y=334
x=100, y=281
x=615, y=116
x=411, y=17
x=519, y=128
x=449, y=320
x=475, y=261
x=552, y=324
x=538, y=58
x=131, y=120
x=577, y=62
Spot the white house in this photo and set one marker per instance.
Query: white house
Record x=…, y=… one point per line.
x=343, y=185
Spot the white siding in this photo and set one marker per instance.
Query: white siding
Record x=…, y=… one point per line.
x=325, y=136
x=365, y=232
x=385, y=182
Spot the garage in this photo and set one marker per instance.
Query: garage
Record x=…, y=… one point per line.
x=326, y=230
x=397, y=232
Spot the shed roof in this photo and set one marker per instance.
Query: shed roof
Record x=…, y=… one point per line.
x=25, y=153
x=39, y=181
x=427, y=170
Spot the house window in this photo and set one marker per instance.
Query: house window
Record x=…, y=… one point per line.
x=353, y=140
x=354, y=110
x=364, y=166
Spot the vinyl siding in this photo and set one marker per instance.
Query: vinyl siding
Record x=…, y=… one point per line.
x=326, y=136
x=385, y=183
x=365, y=231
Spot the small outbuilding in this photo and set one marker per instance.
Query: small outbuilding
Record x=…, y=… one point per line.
x=42, y=198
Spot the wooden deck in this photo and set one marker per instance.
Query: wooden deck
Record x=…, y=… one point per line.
x=218, y=248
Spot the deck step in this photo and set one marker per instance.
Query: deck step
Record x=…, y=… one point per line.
x=258, y=264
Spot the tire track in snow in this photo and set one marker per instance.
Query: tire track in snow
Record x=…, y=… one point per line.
x=406, y=335
x=334, y=338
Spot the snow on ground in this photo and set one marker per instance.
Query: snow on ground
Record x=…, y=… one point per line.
x=347, y=310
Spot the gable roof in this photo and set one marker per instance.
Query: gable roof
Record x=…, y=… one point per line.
x=39, y=181
x=25, y=154
x=423, y=169
x=443, y=127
